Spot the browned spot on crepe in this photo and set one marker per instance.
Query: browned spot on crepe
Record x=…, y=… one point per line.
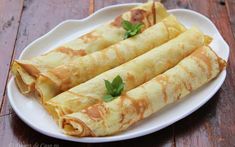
x=96, y=111
x=178, y=87
x=118, y=54
x=142, y=16
x=117, y=21
x=145, y=77
x=71, y=52
x=122, y=118
x=202, y=67
x=139, y=105
x=104, y=55
x=201, y=55
x=162, y=80
x=89, y=37
x=92, y=69
x=124, y=111
x=93, y=112
x=137, y=15
x=186, y=70
x=63, y=73
x=187, y=85
x=66, y=85
x=130, y=79
x=143, y=104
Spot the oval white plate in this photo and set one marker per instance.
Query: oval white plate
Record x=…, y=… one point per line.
x=33, y=114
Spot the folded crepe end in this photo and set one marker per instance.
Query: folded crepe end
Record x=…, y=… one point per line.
x=160, y=12
x=24, y=81
x=54, y=110
x=75, y=127
x=23, y=87
x=173, y=26
x=28, y=67
x=45, y=89
x=222, y=62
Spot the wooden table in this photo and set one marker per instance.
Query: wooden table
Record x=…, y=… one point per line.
x=21, y=22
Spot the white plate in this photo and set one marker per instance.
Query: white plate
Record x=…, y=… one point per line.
x=33, y=114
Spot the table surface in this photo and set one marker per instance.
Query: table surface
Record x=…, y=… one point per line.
x=21, y=22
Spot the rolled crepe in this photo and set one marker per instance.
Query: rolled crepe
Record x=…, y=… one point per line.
x=133, y=73
x=109, y=118
x=27, y=71
x=63, y=77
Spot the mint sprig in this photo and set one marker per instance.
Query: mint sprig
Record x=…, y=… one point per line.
x=131, y=29
x=113, y=89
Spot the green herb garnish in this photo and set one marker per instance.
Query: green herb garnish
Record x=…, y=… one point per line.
x=113, y=89
x=131, y=29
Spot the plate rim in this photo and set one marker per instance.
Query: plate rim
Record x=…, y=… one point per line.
x=111, y=138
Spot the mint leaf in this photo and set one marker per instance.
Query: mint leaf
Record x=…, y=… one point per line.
x=117, y=81
x=114, y=88
x=120, y=89
x=131, y=29
x=126, y=35
x=134, y=32
x=138, y=26
x=108, y=98
x=126, y=25
x=108, y=86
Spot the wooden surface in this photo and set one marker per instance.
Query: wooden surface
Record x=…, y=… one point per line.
x=21, y=22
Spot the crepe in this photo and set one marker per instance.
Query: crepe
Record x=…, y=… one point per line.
x=61, y=78
x=133, y=73
x=27, y=71
x=109, y=118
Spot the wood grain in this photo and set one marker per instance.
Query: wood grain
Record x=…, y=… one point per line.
x=230, y=4
x=172, y=4
x=100, y=4
x=214, y=123
x=91, y=6
x=10, y=13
